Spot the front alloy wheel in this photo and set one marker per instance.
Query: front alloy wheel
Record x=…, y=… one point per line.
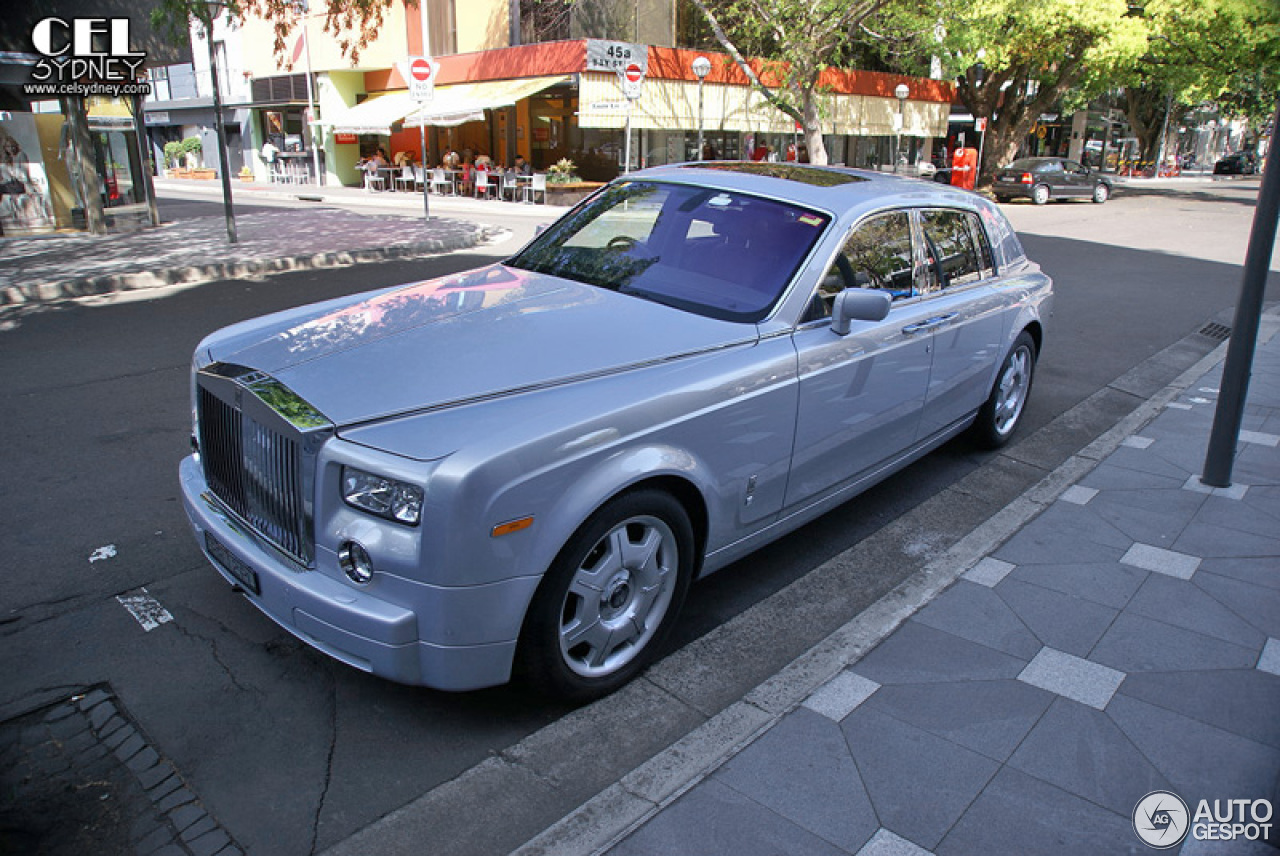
x=610, y=597
x=1002, y=411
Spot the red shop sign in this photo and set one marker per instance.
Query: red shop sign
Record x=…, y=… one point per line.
x=349, y=139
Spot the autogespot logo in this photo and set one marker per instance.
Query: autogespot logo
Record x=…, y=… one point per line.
x=1160, y=819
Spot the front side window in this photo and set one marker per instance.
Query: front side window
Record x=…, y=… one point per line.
x=712, y=252
x=954, y=255
x=876, y=255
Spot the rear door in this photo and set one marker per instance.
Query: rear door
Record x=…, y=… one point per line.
x=968, y=315
x=861, y=394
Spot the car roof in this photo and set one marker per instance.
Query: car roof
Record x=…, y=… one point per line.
x=837, y=189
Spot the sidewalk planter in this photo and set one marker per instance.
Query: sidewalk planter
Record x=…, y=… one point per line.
x=203, y=174
x=571, y=193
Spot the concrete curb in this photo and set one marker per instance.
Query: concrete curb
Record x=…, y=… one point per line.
x=613, y=814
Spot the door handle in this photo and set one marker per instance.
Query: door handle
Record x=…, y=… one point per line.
x=929, y=323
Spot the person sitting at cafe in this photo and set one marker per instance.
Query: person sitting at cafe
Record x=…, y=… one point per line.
x=522, y=166
x=467, y=184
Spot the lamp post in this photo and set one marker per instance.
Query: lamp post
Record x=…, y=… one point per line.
x=701, y=68
x=901, y=91
x=212, y=9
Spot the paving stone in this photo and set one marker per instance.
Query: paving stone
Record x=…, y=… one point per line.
x=1069, y=676
x=185, y=815
x=990, y=717
x=92, y=699
x=113, y=741
x=156, y=839
x=156, y=774
x=885, y=843
x=198, y=829
x=1065, y=530
x=177, y=797
x=1139, y=644
x=130, y=747
x=919, y=654
x=1258, y=605
x=65, y=729
x=209, y=844
x=61, y=711
x=1239, y=701
x=977, y=613
x=918, y=783
x=808, y=753
x=110, y=727
x=1109, y=584
x=989, y=572
x=143, y=761
x=1019, y=814
x=841, y=695
x=1077, y=495
x=1083, y=752
x=715, y=820
x=166, y=787
x=1269, y=661
x=1199, y=760
x=1215, y=540
x=1161, y=561
x=1184, y=604
x=99, y=715
x=1058, y=620
x=1255, y=570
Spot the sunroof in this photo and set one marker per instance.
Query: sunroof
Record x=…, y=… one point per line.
x=816, y=176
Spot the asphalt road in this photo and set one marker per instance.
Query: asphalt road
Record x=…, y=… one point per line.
x=292, y=752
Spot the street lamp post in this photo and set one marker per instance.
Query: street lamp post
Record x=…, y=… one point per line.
x=701, y=68
x=901, y=91
x=213, y=9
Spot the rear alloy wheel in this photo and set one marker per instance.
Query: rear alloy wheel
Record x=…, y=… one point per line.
x=1002, y=412
x=1040, y=194
x=609, y=599
x=1101, y=193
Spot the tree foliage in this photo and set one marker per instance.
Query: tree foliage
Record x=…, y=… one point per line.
x=798, y=38
x=1013, y=60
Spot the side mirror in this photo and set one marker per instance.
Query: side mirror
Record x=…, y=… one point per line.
x=858, y=304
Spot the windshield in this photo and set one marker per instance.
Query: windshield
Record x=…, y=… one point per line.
x=713, y=252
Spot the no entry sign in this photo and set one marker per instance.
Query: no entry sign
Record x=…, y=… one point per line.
x=420, y=72
x=631, y=79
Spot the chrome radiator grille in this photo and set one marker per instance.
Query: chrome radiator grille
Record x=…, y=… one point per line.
x=259, y=473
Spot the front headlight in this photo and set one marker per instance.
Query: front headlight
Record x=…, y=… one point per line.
x=387, y=498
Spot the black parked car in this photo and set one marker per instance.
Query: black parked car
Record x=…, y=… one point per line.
x=1042, y=179
x=1240, y=163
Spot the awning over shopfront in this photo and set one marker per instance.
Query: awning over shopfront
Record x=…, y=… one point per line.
x=375, y=116
x=466, y=102
x=672, y=105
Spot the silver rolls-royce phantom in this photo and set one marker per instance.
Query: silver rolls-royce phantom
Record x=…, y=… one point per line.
x=519, y=470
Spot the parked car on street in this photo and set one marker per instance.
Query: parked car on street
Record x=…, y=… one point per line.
x=1042, y=179
x=1240, y=163
x=519, y=470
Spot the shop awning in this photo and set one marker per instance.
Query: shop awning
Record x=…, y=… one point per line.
x=375, y=116
x=466, y=102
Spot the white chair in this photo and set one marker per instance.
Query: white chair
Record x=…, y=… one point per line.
x=536, y=186
x=374, y=180
x=405, y=179
x=440, y=182
x=484, y=184
x=419, y=178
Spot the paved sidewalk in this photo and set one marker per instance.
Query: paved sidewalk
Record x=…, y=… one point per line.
x=1124, y=641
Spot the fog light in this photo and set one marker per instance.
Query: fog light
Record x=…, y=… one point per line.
x=355, y=562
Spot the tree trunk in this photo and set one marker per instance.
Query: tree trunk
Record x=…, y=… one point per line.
x=813, y=130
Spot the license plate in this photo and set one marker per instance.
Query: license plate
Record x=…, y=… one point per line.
x=244, y=574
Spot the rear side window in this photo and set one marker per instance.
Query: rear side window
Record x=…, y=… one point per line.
x=957, y=249
x=876, y=255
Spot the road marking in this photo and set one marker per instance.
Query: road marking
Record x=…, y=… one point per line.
x=146, y=609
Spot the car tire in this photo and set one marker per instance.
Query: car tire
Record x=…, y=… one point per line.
x=1101, y=193
x=1002, y=199
x=1000, y=415
x=609, y=599
x=1040, y=194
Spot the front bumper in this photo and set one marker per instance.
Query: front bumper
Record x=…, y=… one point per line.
x=351, y=624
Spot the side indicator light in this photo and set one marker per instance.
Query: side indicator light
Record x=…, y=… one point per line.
x=512, y=526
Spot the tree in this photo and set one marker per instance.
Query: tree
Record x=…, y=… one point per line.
x=1221, y=51
x=1014, y=61
x=800, y=38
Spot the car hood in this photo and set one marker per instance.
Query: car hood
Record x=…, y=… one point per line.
x=473, y=336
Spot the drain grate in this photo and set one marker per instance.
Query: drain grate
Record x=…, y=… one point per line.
x=1216, y=331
